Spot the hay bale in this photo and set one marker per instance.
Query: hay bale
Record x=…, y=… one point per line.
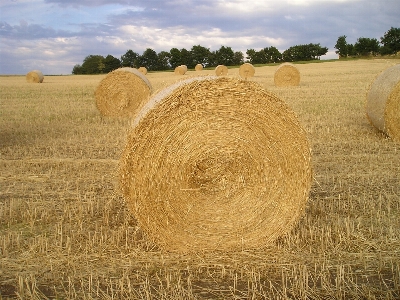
x=122, y=92
x=34, y=76
x=221, y=70
x=215, y=163
x=198, y=67
x=383, y=102
x=143, y=70
x=247, y=70
x=184, y=67
x=180, y=70
x=287, y=75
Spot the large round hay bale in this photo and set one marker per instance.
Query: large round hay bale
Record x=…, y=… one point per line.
x=122, y=92
x=180, y=70
x=383, y=102
x=215, y=163
x=287, y=75
x=198, y=67
x=247, y=70
x=221, y=70
x=34, y=76
x=143, y=70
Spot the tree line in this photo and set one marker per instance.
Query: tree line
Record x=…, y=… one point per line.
x=389, y=44
x=168, y=60
x=153, y=61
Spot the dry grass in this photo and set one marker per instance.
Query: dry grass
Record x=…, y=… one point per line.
x=65, y=233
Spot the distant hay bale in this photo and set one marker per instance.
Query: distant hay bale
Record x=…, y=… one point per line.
x=180, y=70
x=383, y=102
x=287, y=75
x=246, y=70
x=198, y=67
x=215, y=163
x=34, y=76
x=122, y=92
x=184, y=67
x=221, y=70
x=143, y=70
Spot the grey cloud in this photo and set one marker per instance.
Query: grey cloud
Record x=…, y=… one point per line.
x=318, y=22
x=30, y=31
x=147, y=4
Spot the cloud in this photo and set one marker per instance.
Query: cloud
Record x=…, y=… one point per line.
x=58, y=34
x=30, y=31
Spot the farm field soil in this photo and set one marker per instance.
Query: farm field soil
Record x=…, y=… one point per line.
x=66, y=233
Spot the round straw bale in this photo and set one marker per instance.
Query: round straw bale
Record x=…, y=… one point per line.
x=215, y=163
x=184, y=67
x=122, y=92
x=383, y=102
x=198, y=67
x=143, y=70
x=34, y=76
x=287, y=75
x=246, y=70
x=180, y=70
x=221, y=70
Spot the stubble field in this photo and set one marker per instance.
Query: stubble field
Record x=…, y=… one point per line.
x=66, y=233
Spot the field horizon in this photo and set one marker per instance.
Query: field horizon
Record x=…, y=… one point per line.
x=66, y=232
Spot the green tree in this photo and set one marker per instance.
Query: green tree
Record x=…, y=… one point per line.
x=111, y=63
x=101, y=66
x=200, y=55
x=251, y=56
x=224, y=56
x=264, y=56
x=366, y=46
x=130, y=59
x=341, y=46
x=186, y=58
x=316, y=51
x=212, y=58
x=149, y=59
x=351, y=50
x=93, y=64
x=390, y=41
x=163, y=60
x=77, y=70
x=272, y=54
x=304, y=52
x=238, y=58
x=290, y=54
x=175, y=58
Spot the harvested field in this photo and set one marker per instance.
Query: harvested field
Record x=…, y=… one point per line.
x=66, y=233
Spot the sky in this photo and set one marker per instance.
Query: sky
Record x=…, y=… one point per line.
x=54, y=35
